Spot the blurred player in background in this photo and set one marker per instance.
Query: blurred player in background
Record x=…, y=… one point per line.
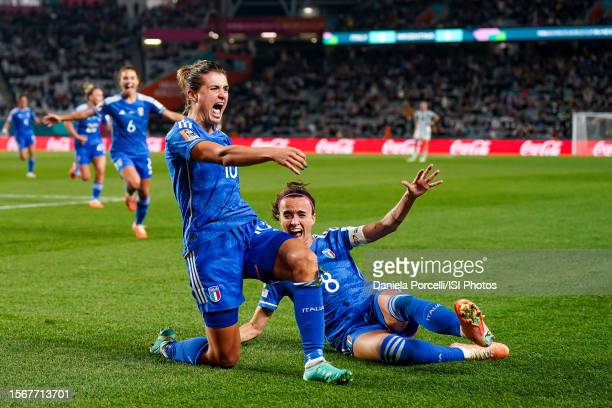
x=424, y=119
x=23, y=118
x=130, y=112
x=359, y=320
x=88, y=144
x=224, y=240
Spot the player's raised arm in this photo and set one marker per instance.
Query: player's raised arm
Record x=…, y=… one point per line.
x=52, y=119
x=173, y=116
x=236, y=155
x=5, y=128
x=423, y=181
x=256, y=325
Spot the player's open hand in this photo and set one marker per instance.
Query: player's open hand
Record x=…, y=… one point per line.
x=422, y=182
x=291, y=158
x=51, y=119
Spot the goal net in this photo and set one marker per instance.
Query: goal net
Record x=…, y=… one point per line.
x=591, y=134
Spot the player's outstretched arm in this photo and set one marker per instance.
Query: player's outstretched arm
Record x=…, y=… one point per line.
x=423, y=181
x=52, y=119
x=235, y=155
x=256, y=325
x=5, y=127
x=173, y=116
x=70, y=128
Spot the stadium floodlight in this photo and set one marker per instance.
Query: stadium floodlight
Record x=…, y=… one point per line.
x=269, y=35
x=152, y=41
x=592, y=134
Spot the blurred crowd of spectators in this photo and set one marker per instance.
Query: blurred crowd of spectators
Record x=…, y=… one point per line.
x=49, y=53
x=492, y=90
x=401, y=14
x=479, y=90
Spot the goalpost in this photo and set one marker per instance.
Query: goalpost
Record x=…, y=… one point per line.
x=590, y=131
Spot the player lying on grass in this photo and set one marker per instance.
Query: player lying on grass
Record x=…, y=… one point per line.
x=369, y=324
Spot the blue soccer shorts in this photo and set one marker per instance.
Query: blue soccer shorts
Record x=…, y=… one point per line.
x=373, y=320
x=142, y=164
x=217, y=267
x=24, y=141
x=84, y=154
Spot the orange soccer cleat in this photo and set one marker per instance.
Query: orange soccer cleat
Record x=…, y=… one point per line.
x=73, y=173
x=130, y=201
x=496, y=351
x=472, y=323
x=96, y=204
x=139, y=231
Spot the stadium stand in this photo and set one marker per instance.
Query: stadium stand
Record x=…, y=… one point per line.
x=48, y=53
x=479, y=90
x=398, y=14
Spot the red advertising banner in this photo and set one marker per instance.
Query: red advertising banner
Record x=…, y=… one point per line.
x=452, y=147
x=281, y=25
x=177, y=34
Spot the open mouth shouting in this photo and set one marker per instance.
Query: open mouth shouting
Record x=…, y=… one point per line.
x=217, y=111
x=297, y=231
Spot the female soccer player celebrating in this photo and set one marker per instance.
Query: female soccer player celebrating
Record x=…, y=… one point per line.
x=129, y=152
x=224, y=241
x=22, y=117
x=88, y=144
x=370, y=324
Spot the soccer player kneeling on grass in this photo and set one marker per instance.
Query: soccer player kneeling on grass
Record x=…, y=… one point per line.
x=224, y=240
x=370, y=324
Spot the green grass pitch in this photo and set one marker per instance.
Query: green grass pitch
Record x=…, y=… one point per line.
x=81, y=298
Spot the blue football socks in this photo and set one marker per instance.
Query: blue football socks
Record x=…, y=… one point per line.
x=142, y=207
x=308, y=308
x=401, y=350
x=432, y=316
x=186, y=351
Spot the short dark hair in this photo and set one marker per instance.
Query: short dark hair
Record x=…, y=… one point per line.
x=292, y=189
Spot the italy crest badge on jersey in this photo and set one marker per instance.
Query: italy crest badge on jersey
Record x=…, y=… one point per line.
x=214, y=293
x=328, y=253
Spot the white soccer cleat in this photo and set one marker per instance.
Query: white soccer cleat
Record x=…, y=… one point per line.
x=30, y=174
x=496, y=351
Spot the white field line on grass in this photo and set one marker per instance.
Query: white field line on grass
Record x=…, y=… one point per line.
x=74, y=200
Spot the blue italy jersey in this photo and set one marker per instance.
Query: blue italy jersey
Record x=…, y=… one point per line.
x=208, y=194
x=22, y=121
x=130, y=122
x=89, y=127
x=346, y=293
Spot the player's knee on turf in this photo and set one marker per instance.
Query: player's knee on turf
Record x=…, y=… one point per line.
x=229, y=359
x=303, y=265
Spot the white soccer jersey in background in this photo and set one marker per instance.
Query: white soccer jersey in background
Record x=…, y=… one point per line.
x=422, y=126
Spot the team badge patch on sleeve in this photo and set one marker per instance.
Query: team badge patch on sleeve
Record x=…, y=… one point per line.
x=214, y=293
x=188, y=134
